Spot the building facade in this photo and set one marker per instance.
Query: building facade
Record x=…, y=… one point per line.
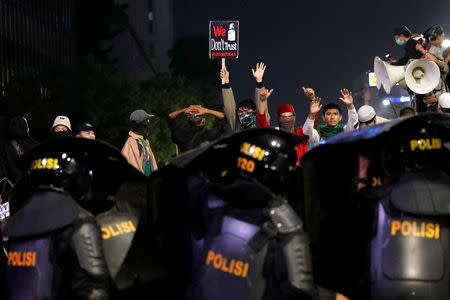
x=35, y=35
x=142, y=50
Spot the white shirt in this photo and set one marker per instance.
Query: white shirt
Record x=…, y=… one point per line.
x=314, y=137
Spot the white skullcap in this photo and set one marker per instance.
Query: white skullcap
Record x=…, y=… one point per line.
x=366, y=113
x=444, y=100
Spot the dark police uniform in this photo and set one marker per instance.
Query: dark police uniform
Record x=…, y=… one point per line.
x=246, y=240
x=53, y=243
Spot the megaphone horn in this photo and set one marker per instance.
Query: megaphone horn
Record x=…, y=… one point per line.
x=422, y=76
x=387, y=75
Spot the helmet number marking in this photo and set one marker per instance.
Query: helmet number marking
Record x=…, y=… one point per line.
x=246, y=164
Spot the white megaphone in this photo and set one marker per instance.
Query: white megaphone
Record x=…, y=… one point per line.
x=387, y=75
x=422, y=76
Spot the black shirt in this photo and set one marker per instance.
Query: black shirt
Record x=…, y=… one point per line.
x=410, y=53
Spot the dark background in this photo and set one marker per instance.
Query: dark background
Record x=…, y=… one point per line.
x=327, y=45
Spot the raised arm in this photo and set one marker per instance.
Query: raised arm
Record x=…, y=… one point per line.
x=347, y=98
x=262, y=110
x=177, y=113
x=263, y=96
x=203, y=110
x=309, y=93
x=258, y=74
x=308, y=127
x=229, y=104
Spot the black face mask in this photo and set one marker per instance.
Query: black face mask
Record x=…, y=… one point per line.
x=62, y=134
x=142, y=129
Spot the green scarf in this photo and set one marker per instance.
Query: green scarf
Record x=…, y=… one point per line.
x=325, y=131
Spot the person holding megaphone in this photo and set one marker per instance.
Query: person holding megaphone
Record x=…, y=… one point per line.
x=413, y=49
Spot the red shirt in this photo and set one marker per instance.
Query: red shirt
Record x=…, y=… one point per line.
x=302, y=147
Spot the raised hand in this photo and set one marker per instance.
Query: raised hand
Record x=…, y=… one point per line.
x=309, y=92
x=200, y=111
x=315, y=106
x=347, y=97
x=258, y=73
x=224, y=76
x=264, y=95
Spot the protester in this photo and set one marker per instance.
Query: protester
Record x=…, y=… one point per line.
x=19, y=141
x=444, y=103
x=286, y=119
x=407, y=111
x=61, y=127
x=434, y=37
x=332, y=116
x=367, y=117
x=242, y=116
x=84, y=130
x=413, y=49
x=190, y=135
x=137, y=148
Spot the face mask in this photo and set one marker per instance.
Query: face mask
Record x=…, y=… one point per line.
x=142, y=128
x=400, y=42
x=287, y=124
x=60, y=134
x=247, y=120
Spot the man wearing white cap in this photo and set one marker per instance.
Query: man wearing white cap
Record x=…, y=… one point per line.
x=61, y=127
x=367, y=117
x=444, y=103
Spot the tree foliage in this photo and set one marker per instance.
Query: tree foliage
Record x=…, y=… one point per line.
x=110, y=99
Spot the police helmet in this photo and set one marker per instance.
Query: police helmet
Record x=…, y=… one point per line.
x=266, y=155
x=60, y=171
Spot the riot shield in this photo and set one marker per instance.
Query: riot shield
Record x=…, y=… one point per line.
x=388, y=239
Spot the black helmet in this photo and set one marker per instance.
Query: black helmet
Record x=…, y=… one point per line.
x=266, y=155
x=60, y=171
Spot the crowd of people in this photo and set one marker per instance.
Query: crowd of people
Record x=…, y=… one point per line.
x=251, y=113
x=188, y=132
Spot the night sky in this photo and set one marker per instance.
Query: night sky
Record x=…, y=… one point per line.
x=327, y=45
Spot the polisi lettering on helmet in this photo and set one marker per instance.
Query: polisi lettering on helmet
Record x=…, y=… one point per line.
x=44, y=163
x=253, y=151
x=426, y=144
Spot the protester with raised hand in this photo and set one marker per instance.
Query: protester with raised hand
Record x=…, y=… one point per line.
x=332, y=116
x=244, y=115
x=190, y=135
x=286, y=121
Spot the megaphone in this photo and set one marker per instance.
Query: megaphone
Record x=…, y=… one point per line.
x=422, y=76
x=387, y=75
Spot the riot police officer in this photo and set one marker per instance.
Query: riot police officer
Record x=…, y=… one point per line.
x=53, y=242
x=246, y=240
